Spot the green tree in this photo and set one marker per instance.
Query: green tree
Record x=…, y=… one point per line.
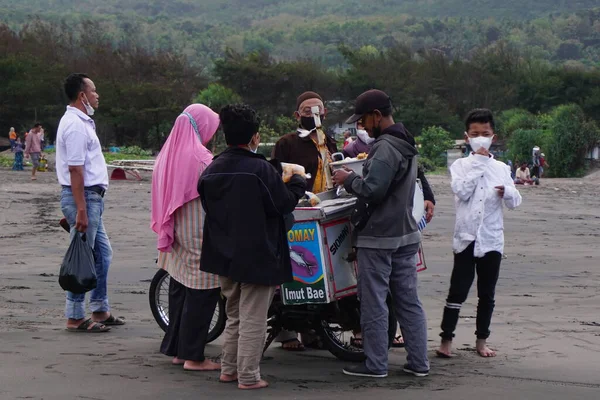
x=217, y=96
x=514, y=119
x=434, y=142
x=522, y=142
x=573, y=135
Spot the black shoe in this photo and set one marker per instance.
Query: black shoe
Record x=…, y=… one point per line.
x=362, y=370
x=420, y=374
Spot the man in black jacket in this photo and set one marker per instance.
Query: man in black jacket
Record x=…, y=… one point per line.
x=245, y=240
x=388, y=239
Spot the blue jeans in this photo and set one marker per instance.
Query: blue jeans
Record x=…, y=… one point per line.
x=98, y=239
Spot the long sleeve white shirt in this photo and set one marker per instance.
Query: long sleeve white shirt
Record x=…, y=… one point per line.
x=479, y=210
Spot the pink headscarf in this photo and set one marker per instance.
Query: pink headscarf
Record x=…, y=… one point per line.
x=178, y=167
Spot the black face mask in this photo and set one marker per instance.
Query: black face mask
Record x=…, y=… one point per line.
x=308, y=123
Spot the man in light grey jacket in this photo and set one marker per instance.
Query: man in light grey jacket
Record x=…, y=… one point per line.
x=388, y=239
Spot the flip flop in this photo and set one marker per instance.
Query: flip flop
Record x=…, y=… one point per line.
x=398, y=345
x=300, y=346
x=84, y=327
x=113, y=321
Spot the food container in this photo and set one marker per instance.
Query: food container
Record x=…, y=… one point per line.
x=352, y=163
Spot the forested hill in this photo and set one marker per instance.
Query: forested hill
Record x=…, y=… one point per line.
x=244, y=11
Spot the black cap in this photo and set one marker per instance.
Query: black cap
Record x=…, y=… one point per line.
x=369, y=101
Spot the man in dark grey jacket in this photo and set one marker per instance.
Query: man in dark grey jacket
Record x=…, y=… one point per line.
x=388, y=241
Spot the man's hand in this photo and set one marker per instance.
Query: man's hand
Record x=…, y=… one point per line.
x=483, y=152
x=340, y=176
x=81, y=221
x=500, y=190
x=429, y=208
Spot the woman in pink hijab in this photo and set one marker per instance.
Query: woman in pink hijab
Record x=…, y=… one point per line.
x=177, y=218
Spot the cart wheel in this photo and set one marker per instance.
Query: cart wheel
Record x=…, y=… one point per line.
x=217, y=325
x=159, y=298
x=159, y=304
x=341, y=343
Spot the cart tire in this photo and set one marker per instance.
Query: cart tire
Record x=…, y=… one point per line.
x=159, y=305
x=217, y=325
x=348, y=353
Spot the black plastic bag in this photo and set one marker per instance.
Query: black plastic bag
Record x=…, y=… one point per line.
x=78, y=269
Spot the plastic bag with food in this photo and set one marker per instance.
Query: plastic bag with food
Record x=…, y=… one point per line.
x=309, y=200
x=293, y=169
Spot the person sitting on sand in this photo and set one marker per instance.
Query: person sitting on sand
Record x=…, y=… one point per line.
x=481, y=185
x=177, y=218
x=523, y=176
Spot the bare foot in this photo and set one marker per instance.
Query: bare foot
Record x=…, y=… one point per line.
x=228, y=378
x=258, y=385
x=483, y=350
x=445, y=350
x=206, y=365
x=177, y=361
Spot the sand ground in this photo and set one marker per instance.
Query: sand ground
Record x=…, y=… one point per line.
x=546, y=327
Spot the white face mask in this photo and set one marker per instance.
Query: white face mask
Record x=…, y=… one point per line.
x=364, y=136
x=88, y=108
x=251, y=149
x=480, y=142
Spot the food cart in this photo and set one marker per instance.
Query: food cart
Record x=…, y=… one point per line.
x=321, y=248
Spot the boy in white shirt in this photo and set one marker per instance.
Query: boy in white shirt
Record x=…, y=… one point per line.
x=480, y=185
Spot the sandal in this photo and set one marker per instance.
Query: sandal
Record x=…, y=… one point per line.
x=113, y=321
x=298, y=347
x=89, y=326
x=398, y=342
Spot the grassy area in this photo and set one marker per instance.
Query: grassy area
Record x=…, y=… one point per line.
x=438, y=171
x=109, y=157
x=6, y=161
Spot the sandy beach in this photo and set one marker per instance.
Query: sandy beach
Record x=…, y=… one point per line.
x=546, y=327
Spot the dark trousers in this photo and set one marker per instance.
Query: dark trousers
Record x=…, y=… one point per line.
x=190, y=315
x=463, y=274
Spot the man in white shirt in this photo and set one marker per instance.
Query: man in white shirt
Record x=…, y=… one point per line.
x=82, y=172
x=481, y=185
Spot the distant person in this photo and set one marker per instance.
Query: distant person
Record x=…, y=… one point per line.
x=536, y=164
x=481, y=186
x=523, y=177
x=347, y=138
x=543, y=164
x=18, y=150
x=42, y=137
x=82, y=172
x=33, y=149
x=178, y=218
x=362, y=144
x=12, y=136
x=512, y=169
x=245, y=240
